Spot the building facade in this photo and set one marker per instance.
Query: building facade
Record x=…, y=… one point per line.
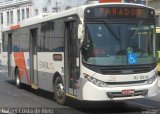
x=14, y=11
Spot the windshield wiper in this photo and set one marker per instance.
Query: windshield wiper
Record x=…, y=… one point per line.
x=110, y=29
x=107, y=24
x=136, y=31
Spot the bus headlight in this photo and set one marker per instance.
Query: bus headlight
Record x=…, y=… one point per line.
x=152, y=79
x=95, y=81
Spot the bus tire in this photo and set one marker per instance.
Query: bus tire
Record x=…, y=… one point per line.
x=17, y=79
x=59, y=93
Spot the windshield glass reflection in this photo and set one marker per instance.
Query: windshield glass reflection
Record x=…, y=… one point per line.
x=111, y=44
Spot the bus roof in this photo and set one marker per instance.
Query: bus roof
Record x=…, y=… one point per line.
x=46, y=17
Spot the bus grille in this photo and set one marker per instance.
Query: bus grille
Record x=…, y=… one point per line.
x=119, y=94
x=126, y=84
x=121, y=71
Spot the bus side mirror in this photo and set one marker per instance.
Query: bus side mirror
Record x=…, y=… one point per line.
x=80, y=31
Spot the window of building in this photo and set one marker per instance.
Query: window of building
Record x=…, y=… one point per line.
x=18, y=15
x=23, y=14
x=36, y=12
x=11, y=13
x=8, y=17
x=49, y=1
x=27, y=13
x=1, y=14
x=45, y=10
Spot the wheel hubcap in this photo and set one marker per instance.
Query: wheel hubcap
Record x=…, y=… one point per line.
x=59, y=90
x=17, y=80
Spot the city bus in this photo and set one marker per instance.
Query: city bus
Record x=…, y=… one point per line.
x=158, y=47
x=96, y=52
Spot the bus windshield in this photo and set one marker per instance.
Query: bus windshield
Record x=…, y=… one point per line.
x=118, y=44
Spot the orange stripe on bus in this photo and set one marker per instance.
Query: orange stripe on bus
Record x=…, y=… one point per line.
x=20, y=62
x=15, y=27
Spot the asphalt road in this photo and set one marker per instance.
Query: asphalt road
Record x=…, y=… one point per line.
x=13, y=98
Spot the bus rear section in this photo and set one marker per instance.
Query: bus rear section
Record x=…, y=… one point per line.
x=118, y=53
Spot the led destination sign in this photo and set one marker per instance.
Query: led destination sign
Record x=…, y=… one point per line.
x=119, y=12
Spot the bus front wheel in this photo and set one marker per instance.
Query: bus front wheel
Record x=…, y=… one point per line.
x=59, y=93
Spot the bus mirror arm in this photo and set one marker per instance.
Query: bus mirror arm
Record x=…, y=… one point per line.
x=80, y=31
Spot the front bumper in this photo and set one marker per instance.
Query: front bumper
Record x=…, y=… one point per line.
x=92, y=92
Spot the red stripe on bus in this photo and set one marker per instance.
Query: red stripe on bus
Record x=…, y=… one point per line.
x=20, y=62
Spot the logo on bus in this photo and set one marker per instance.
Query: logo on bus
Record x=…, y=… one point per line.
x=45, y=65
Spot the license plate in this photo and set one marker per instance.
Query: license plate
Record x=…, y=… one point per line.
x=128, y=92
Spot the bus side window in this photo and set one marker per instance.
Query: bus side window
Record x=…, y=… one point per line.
x=5, y=42
x=57, y=36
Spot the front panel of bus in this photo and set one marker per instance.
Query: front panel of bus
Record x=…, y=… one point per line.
x=118, y=53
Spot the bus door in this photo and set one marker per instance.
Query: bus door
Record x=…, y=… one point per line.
x=33, y=58
x=71, y=67
x=9, y=54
